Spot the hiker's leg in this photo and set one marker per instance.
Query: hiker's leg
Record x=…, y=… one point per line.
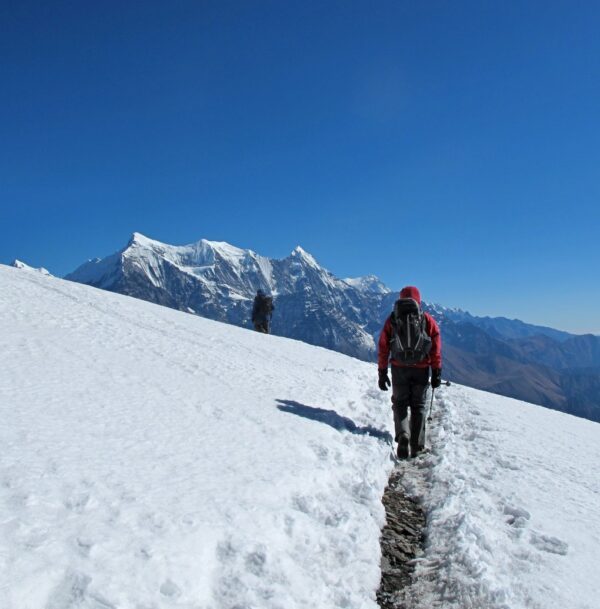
x=400, y=402
x=260, y=326
x=418, y=405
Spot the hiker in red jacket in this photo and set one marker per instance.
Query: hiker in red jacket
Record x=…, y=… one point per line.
x=412, y=338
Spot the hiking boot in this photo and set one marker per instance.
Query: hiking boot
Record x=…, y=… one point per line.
x=418, y=450
x=402, y=450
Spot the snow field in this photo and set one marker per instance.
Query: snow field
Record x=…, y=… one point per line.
x=155, y=459
x=513, y=497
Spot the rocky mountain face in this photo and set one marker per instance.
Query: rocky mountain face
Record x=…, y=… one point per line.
x=217, y=280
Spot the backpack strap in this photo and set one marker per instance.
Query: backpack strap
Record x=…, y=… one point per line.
x=395, y=334
x=422, y=334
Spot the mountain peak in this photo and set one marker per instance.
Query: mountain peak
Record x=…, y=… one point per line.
x=302, y=254
x=224, y=249
x=139, y=239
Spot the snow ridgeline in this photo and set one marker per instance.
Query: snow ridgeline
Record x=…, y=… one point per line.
x=153, y=459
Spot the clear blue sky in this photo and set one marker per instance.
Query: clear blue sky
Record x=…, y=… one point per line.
x=454, y=145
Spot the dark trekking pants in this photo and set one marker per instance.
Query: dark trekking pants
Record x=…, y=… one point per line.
x=409, y=390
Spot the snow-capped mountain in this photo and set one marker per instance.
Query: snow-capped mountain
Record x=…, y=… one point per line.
x=219, y=281
x=141, y=468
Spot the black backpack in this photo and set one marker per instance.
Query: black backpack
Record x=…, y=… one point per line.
x=410, y=342
x=269, y=304
x=265, y=305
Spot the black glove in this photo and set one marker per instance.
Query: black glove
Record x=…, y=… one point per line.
x=436, y=377
x=384, y=379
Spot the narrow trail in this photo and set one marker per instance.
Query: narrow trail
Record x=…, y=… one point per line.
x=402, y=542
x=403, y=538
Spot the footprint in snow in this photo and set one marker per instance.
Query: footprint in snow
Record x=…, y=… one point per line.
x=18, y=500
x=77, y=502
x=31, y=537
x=145, y=553
x=255, y=562
x=516, y=516
x=546, y=543
x=289, y=525
x=507, y=464
x=70, y=592
x=328, y=515
x=83, y=546
x=372, y=394
x=153, y=521
x=321, y=451
x=190, y=521
x=170, y=589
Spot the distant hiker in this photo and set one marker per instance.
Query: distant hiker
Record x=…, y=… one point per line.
x=262, y=311
x=412, y=337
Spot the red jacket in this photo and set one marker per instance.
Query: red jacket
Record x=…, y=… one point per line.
x=435, y=355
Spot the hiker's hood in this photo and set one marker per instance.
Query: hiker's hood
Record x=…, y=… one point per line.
x=411, y=292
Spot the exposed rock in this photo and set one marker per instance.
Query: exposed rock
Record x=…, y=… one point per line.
x=402, y=541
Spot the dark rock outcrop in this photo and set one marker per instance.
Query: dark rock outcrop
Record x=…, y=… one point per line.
x=402, y=541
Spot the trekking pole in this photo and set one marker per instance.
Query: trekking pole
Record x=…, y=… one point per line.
x=430, y=416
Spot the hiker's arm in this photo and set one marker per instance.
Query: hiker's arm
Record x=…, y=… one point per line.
x=384, y=345
x=435, y=355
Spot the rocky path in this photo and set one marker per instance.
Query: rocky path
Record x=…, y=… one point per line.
x=402, y=541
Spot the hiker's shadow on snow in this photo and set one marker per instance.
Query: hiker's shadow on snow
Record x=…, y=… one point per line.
x=333, y=419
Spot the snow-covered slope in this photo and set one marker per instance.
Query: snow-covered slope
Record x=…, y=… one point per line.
x=18, y=264
x=153, y=459
x=513, y=498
